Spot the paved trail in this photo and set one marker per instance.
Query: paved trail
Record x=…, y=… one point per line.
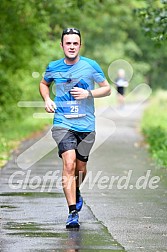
x=34, y=214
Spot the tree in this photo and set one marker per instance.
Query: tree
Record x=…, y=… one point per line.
x=154, y=19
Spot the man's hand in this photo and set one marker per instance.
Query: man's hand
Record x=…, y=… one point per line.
x=50, y=106
x=79, y=93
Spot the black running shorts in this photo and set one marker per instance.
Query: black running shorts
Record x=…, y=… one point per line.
x=67, y=139
x=121, y=90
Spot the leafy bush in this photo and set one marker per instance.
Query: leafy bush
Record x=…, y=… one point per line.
x=154, y=126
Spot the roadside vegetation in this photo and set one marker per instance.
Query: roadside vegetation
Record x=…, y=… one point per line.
x=11, y=135
x=154, y=127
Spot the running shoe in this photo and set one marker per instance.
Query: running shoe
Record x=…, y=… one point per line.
x=73, y=220
x=79, y=204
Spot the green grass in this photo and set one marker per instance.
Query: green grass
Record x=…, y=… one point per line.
x=13, y=132
x=154, y=127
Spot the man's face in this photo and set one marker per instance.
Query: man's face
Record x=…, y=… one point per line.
x=71, y=46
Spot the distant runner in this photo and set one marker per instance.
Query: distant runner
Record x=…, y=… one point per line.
x=121, y=83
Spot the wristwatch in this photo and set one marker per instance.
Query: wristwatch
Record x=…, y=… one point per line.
x=89, y=94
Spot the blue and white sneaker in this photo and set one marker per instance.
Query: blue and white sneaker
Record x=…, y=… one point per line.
x=79, y=204
x=73, y=220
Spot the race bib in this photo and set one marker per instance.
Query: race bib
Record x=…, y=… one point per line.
x=74, y=109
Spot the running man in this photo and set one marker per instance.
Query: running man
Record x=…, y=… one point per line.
x=121, y=83
x=74, y=121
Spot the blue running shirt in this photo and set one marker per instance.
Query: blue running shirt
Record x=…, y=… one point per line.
x=74, y=114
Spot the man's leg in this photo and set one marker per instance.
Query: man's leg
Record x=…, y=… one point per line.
x=67, y=144
x=120, y=99
x=86, y=141
x=69, y=186
x=80, y=172
x=69, y=181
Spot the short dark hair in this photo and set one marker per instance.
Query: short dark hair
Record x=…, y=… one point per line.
x=70, y=31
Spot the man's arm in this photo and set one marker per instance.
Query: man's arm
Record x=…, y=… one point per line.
x=103, y=90
x=44, y=91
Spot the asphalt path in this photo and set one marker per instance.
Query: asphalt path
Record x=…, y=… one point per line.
x=125, y=203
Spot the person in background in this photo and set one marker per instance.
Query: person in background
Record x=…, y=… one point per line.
x=121, y=83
